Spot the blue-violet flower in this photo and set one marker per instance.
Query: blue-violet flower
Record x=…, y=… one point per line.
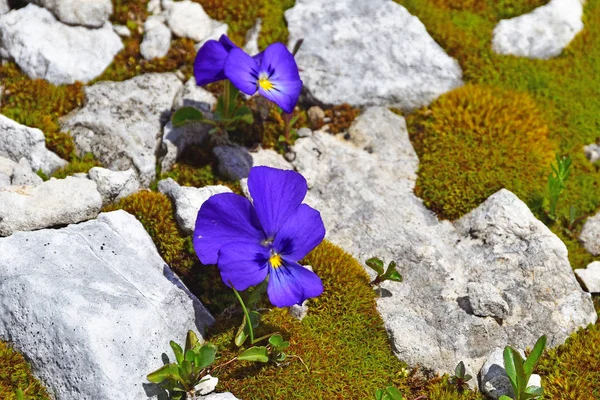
x=273, y=72
x=250, y=241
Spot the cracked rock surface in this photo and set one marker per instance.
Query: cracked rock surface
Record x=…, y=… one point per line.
x=93, y=306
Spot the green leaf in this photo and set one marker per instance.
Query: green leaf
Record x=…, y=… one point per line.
x=376, y=264
x=190, y=356
x=467, y=378
x=177, y=350
x=20, y=395
x=535, y=390
x=168, y=371
x=191, y=340
x=244, y=114
x=255, y=354
x=509, y=366
x=379, y=394
x=536, y=353
x=186, y=371
x=206, y=356
x=219, y=111
x=275, y=340
x=393, y=276
x=241, y=334
x=393, y=393
x=522, y=377
x=233, y=94
x=503, y=397
x=255, y=294
x=186, y=115
x=280, y=357
x=214, y=130
x=460, y=369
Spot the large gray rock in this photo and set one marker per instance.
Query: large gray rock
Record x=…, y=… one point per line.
x=89, y=13
x=121, y=122
x=364, y=191
x=114, y=185
x=93, y=306
x=188, y=19
x=188, y=201
x=233, y=162
x=192, y=95
x=54, y=202
x=590, y=234
x=542, y=33
x=157, y=38
x=590, y=277
x=23, y=175
x=368, y=53
x=19, y=141
x=45, y=48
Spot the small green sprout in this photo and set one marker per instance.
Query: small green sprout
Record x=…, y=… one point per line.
x=556, y=182
x=19, y=395
x=272, y=352
x=390, y=274
x=519, y=371
x=389, y=393
x=228, y=115
x=460, y=379
x=192, y=362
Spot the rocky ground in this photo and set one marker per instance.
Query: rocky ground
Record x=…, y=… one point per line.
x=99, y=192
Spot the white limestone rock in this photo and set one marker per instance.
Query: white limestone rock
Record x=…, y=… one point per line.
x=7, y=166
x=368, y=53
x=363, y=189
x=543, y=33
x=188, y=19
x=233, y=162
x=175, y=140
x=45, y=48
x=219, y=396
x=114, y=185
x=251, y=40
x=188, y=201
x=52, y=203
x=590, y=277
x=192, y=95
x=122, y=31
x=19, y=141
x=4, y=7
x=22, y=175
x=486, y=300
x=88, y=13
x=92, y=306
x=121, y=122
x=157, y=38
x=590, y=234
x=592, y=152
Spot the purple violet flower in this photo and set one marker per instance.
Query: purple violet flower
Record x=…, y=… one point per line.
x=249, y=241
x=275, y=75
x=210, y=60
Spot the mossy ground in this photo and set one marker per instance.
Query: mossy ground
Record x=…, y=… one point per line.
x=342, y=340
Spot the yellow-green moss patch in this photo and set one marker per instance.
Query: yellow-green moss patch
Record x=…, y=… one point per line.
x=476, y=140
x=15, y=374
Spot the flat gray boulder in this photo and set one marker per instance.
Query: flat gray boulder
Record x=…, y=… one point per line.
x=368, y=53
x=92, y=306
x=19, y=141
x=363, y=188
x=188, y=201
x=45, y=48
x=88, y=13
x=542, y=33
x=53, y=203
x=121, y=122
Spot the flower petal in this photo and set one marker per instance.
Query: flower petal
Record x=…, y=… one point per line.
x=222, y=219
x=292, y=284
x=209, y=63
x=276, y=194
x=281, y=68
x=241, y=70
x=228, y=45
x=299, y=234
x=243, y=264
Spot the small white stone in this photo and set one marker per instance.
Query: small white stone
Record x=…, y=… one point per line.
x=592, y=152
x=208, y=385
x=122, y=31
x=590, y=277
x=157, y=38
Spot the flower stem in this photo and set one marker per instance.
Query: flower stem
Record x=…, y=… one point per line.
x=226, y=95
x=248, y=320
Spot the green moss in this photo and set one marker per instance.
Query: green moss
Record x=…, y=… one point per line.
x=15, y=374
x=476, y=140
x=572, y=371
x=77, y=165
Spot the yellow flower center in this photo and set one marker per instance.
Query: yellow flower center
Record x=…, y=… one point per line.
x=265, y=83
x=275, y=260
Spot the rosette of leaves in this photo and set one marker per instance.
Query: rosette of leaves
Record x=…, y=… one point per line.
x=181, y=377
x=226, y=118
x=389, y=393
x=519, y=371
x=272, y=352
x=389, y=274
x=460, y=377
